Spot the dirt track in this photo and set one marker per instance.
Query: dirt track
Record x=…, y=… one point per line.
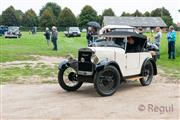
x=47, y=101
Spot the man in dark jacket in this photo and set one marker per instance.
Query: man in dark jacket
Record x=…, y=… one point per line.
x=47, y=35
x=89, y=36
x=54, y=37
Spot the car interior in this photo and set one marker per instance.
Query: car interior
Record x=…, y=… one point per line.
x=134, y=45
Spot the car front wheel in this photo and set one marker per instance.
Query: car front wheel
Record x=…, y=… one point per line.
x=67, y=79
x=107, y=81
x=147, y=74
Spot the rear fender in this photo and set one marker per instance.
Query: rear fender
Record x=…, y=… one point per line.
x=153, y=63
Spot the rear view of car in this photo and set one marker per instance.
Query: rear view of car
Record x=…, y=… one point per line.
x=13, y=32
x=73, y=32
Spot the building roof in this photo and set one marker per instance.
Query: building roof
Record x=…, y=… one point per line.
x=134, y=21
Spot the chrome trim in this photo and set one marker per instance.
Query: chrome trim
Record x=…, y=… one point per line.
x=84, y=73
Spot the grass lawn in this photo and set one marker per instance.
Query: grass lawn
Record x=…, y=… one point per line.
x=28, y=44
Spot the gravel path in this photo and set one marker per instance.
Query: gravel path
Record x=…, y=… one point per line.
x=49, y=101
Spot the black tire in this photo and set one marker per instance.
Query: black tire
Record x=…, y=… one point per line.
x=64, y=85
x=147, y=74
x=109, y=77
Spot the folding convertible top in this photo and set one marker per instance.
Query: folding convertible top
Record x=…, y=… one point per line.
x=124, y=33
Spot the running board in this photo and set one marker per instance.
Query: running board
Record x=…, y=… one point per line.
x=134, y=78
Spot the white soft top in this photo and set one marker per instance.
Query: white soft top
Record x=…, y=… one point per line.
x=114, y=27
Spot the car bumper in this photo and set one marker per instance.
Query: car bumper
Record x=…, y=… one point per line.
x=74, y=35
x=11, y=36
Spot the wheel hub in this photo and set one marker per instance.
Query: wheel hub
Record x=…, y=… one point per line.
x=72, y=76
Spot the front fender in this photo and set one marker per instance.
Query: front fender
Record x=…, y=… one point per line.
x=105, y=63
x=63, y=65
x=66, y=63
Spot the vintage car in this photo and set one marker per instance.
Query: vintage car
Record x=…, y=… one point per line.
x=116, y=57
x=73, y=32
x=13, y=32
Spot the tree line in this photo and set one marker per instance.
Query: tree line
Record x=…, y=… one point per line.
x=52, y=15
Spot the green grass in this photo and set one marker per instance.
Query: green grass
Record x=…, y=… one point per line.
x=28, y=44
x=171, y=67
x=13, y=73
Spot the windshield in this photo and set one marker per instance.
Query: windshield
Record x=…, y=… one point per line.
x=74, y=29
x=13, y=29
x=110, y=42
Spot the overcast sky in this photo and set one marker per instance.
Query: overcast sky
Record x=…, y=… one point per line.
x=118, y=6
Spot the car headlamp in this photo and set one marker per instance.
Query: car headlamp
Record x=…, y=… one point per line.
x=94, y=59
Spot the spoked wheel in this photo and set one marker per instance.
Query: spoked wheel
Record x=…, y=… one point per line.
x=107, y=81
x=147, y=74
x=67, y=79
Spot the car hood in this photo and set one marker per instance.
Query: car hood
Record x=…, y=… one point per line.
x=106, y=52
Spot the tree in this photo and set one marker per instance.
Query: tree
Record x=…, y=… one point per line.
x=159, y=12
x=67, y=18
x=168, y=20
x=19, y=14
x=10, y=17
x=30, y=18
x=108, y=12
x=147, y=14
x=87, y=14
x=47, y=19
x=126, y=14
x=137, y=14
x=56, y=9
x=0, y=19
x=164, y=14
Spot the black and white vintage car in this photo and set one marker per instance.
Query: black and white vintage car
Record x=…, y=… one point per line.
x=116, y=57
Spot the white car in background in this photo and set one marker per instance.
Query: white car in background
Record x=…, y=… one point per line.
x=113, y=60
x=73, y=32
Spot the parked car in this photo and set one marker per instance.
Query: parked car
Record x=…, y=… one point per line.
x=13, y=32
x=3, y=29
x=116, y=57
x=73, y=32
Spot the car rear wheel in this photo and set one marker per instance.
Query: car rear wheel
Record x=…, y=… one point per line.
x=67, y=79
x=107, y=81
x=147, y=74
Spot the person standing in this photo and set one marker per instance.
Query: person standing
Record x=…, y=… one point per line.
x=89, y=36
x=171, y=37
x=140, y=30
x=47, y=35
x=157, y=40
x=54, y=37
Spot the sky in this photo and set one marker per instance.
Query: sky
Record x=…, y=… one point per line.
x=118, y=6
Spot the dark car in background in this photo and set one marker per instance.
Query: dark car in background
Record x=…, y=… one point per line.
x=3, y=29
x=13, y=32
x=73, y=32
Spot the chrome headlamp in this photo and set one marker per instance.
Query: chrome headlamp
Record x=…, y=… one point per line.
x=94, y=59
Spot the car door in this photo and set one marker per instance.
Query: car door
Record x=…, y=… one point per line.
x=132, y=63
